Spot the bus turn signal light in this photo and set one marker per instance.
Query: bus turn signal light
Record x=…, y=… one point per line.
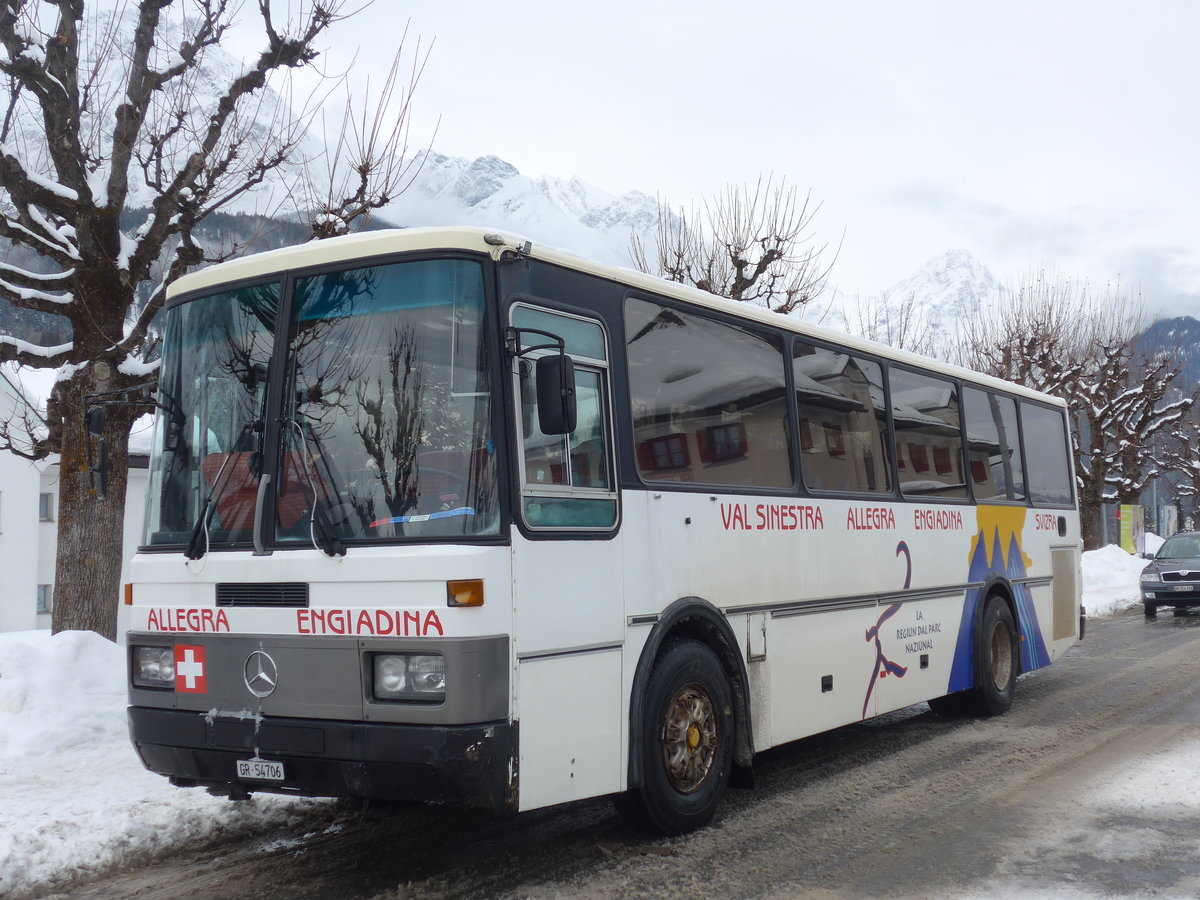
x=129, y=593
x=464, y=593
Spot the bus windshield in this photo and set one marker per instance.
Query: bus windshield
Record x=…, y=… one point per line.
x=385, y=428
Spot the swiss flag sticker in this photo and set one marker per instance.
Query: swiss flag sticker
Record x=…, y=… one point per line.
x=191, y=676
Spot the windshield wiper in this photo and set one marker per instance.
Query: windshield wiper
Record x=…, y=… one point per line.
x=195, y=548
x=321, y=530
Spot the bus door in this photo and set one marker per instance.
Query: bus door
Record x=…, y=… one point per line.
x=569, y=617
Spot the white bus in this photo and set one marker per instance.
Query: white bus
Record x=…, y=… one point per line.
x=438, y=515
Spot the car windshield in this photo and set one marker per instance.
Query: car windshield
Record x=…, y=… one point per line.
x=386, y=421
x=1182, y=546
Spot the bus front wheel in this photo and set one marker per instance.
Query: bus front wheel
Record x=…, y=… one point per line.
x=686, y=742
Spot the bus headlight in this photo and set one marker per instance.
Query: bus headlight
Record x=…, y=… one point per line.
x=411, y=677
x=154, y=667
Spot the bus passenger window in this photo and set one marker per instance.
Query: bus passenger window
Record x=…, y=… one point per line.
x=925, y=415
x=992, y=445
x=1045, y=433
x=842, y=420
x=709, y=400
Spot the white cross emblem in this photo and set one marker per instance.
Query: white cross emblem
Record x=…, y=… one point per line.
x=189, y=669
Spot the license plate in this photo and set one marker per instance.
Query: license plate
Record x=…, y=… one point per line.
x=260, y=769
x=1182, y=587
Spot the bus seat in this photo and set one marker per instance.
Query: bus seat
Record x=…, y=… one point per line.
x=239, y=494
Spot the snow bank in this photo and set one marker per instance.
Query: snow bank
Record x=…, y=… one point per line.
x=1110, y=580
x=75, y=795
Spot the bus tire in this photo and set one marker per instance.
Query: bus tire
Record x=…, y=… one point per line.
x=999, y=659
x=996, y=667
x=687, y=742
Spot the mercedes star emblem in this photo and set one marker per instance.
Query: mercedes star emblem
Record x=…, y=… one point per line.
x=260, y=673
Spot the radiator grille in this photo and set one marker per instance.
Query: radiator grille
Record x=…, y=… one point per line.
x=281, y=594
x=1184, y=575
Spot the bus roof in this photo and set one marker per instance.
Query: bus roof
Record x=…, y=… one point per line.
x=367, y=244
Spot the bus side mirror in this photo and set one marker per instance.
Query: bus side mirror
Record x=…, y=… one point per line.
x=93, y=420
x=556, y=394
x=102, y=470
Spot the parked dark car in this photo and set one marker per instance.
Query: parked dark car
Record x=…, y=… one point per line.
x=1173, y=576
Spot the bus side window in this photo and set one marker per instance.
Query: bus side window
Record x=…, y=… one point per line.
x=709, y=400
x=1045, y=434
x=566, y=479
x=842, y=420
x=925, y=416
x=992, y=445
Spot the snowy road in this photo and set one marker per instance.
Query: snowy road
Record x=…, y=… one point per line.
x=1086, y=788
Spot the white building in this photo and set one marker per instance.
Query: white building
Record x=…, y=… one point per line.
x=29, y=526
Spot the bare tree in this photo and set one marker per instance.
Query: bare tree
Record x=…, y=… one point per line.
x=752, y=245
x=1180, y=457
x=105, y=113
x=1080, y=343
x=367, y=163
x=898, y=324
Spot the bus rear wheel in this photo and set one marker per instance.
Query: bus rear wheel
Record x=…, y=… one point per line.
x=686, y=746
x=997, y=665
x=1000, y=661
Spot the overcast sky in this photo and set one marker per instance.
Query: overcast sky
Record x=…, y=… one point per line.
x=1030, y=133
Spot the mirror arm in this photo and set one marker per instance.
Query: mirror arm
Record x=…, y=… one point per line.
x=94, y=419
x=512, y=341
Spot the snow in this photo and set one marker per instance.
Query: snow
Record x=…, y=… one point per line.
x=75, y=794
x=135, y=367
x=76, y=797
x=1110, y=579
x=34, y=349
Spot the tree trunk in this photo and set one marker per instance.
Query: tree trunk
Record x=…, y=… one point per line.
x=90, y=529
x=1090, y=525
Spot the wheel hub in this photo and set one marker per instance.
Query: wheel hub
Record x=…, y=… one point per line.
x=1002, y=658
x=689, y=738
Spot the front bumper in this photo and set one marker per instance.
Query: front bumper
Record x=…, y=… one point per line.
x=1171, y=593
x=475, y=764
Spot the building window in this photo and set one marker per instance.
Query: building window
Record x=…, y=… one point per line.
x=835, y=440
x=941, y=461
x=45, y=597
x=46, y=507
x=662, y=453
x=919, y=456
x=720, y=443
x=806, y=437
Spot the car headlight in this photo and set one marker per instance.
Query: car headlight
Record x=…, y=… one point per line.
x=1151, y=576
x=154, y=667
x=410, y=677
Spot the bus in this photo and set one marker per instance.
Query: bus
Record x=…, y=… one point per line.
x=441, y=515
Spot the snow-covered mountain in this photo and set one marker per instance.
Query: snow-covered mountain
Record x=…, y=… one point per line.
x=1180, y=338
x=490, y=192
x=947, y=289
